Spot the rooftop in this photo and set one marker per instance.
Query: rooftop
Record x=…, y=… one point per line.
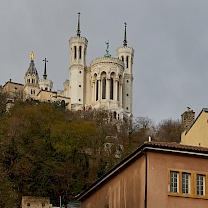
x=166, y=147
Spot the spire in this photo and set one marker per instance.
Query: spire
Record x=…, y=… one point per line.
x=45, y=74
x=125, y=40
x=78, y=26
x=32, y=69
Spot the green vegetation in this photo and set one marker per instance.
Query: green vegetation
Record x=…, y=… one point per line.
x=49, y=151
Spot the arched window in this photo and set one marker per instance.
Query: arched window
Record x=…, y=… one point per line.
x=122, y=58
x=31, y=92
x=111, y=88
x=75, y=52
x=118, y=90
x=104, y=88
x=80, y=52
x=97, y=89
x=127, y=62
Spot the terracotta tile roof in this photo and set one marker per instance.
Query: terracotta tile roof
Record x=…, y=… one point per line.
x=174, y=145
x=167, y=147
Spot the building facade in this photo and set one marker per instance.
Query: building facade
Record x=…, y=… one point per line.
x=197, y=132
x=155, y=175
x=106, y=84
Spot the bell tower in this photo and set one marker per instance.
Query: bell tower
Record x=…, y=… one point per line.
x=126, y=54
x=78, y=50
x=31, y=86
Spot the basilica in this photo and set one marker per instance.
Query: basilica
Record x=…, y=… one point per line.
x=105, y=84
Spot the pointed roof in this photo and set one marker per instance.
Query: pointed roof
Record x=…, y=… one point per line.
x=45, y=74
x=125, y=39
x=78, y=26
x=32, y=69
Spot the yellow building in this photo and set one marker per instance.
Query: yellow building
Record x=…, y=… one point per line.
x=197, y=133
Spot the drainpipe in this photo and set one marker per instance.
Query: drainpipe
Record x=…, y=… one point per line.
x=145, y=194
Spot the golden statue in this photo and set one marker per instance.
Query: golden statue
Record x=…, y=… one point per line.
x=32, y=56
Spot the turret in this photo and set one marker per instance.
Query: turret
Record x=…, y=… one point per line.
x=126, y=54
x=78, y=50
x=31, y=87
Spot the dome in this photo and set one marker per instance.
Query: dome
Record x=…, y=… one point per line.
x=32, y=69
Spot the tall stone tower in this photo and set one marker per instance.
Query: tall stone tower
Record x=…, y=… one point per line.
x=78, y=50
x=31, y=86
x=126, y=54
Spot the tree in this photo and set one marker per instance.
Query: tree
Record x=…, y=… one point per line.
x=143, y=127
x=169, y=130
x=3, y=102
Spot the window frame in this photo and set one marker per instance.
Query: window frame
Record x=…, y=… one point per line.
x=186, y=182
x=203, y=185
x=192, y=184
x=174, y=180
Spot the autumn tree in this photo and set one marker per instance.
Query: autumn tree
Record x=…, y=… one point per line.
x=169, y=130
x=143, y=127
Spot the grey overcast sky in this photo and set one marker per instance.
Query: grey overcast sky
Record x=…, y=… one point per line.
x=170, y=39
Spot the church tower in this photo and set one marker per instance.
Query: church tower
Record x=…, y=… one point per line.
x=78, y=50
x=126, y=54
x=31, y=86
x=45, y=84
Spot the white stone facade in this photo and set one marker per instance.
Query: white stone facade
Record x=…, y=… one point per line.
x=105, y=84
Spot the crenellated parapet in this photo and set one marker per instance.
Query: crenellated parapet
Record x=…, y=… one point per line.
x=125, y=49
x=78, y=40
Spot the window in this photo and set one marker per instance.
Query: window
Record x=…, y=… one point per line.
x=104, y=88
x=80, y=52
x=186, y=183
x=127, y=62
x=97, y=88
x=118, y=91
x=122, y=58
x=111, y=88
x=75, y=52
x=200, y=185
x=174, y=181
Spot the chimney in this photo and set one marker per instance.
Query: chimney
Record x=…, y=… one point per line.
x=187, y=119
